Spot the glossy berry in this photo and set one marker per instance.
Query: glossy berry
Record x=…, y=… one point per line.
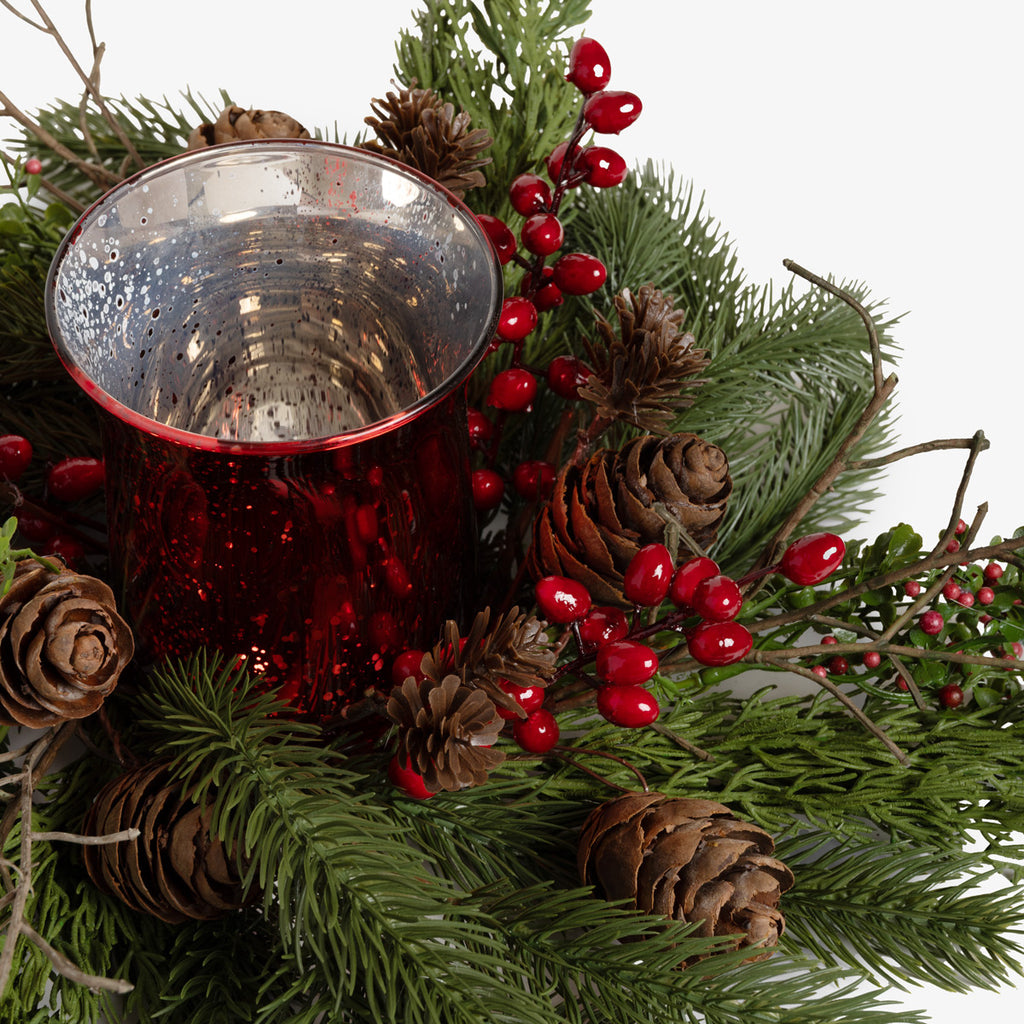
x=488, y=489
x=543, y=234
x=556, y=159
x=15, y=455
x=501, y=236
x=35, y=528
x=603, y=167
x=838, y=665
x=953, y=546
x=648, y=576
x=812, y=558
x=829, y=640
x=966, y=599
x=951, y=591
x=529, y=193
x=512, y=390
x=992, y=572
x=407, y=664
x=33, y=165
x=820, y=671
x=537, y=733
x=566, y=375
x=529, y=698
x=602, y=625
x=534, y=479
x=589, y=67
x=912, y=588
x=626, y=662
x=70, y=549
x=632, y=707
x=951, y=696
x=686, y=578
x=405, y=778
x=608, y=113
x=579, y=273
x=75, y=478
x=720, y=643
x=872, y=659
x=481, y=429
x=549, y=296
x=961, y=527
x=561, y=600
x=985, y=595
x=517, y=319
x=931, y=622
x=717, y=599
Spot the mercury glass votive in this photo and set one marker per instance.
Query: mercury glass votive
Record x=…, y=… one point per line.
x=278, y=336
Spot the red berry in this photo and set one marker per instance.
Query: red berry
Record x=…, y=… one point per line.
x=632, y=707
x=872, y=659
x=626, y=662
x=985, y=595
x=405, y=665
x=604, y=168
x=953, y=546
x=554, y=162
x=838, y=665
x=812, y=558
x=602, y=625
x=820, y=670
x=951, y=696
x=717, y=598
x=589, y=67
x=15, y=455
x=720, y=643
x=609, y=112
x=33, y=165
x=566, y=375
x=537, y=733
x=513, y=390
x=534, y=479
x=993, y=571
x=966, y=599
x=961, y=527
x=829, y=640
x=931, y=622
x=481, y=429
x=578, y=273
x=488, y=489
x=912, y=588
x=68, y=548
x=75, y=478
x=529, y=193
x=561, y=600
x=549, y=296
x=35, y=528
x=648, y=576
x=543, y=234
x=517, y=319
x=686, y=578
x=529, y=698
x=501, y=236
x=951, y=591
x=404, y=777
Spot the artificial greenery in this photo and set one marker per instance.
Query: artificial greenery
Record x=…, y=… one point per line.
x=466, y=907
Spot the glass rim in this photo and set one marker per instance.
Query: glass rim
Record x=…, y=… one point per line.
x=176, y=435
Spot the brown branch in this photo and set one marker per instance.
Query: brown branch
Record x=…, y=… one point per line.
x=914, y=449
x=64, y=967
x=126, y=835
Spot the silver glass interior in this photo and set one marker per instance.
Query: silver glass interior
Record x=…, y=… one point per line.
x=273, y=291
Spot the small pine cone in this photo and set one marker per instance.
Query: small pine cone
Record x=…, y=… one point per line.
x=62, y=646
x=236, y=124
x=416, y=128
x=600, y=515
x=446, y=730
x=689, y=860
x=642, y=374
x=175, y=870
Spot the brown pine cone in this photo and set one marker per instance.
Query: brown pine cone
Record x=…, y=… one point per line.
x=445, y=731
x=642, y=373
x=175, y=870
x=689, y=860
x=236, y=124
x=416, y=128
x=600, y=515
x=62, y=646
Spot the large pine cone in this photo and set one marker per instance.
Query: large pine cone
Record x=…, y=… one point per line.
x=62, y=646
x=175, y=870
x=601, y=515
x=446, y=731
x=689, y=860
x=236, y=124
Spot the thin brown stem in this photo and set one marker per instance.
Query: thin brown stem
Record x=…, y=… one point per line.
x=680, y=741
x=564, y=752
x=64, y=967
x=947, y=444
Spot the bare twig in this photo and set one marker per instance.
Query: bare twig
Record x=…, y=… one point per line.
x=914, y=449
x=64, y=967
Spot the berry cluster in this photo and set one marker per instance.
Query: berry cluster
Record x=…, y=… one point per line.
x=543, y=286
x=68, y=480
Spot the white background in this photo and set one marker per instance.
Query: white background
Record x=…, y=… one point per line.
x=877, y=142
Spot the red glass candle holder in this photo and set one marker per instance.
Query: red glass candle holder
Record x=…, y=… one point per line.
x=278, y=335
